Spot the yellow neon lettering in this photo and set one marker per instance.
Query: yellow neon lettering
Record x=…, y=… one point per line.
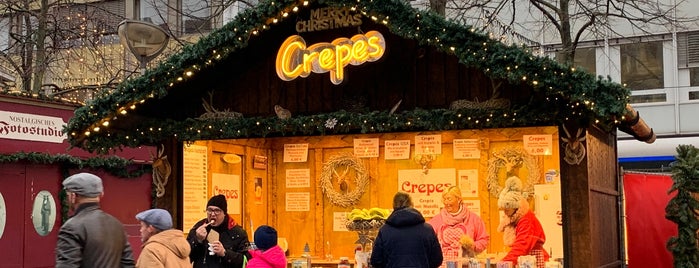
x=291, y=47
x=359, y=52
x=308, y=60
x=326, y=60
x=295, y=59
x=377, y=47
x=343, y=57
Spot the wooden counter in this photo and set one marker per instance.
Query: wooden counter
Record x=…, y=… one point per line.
x=318, y=262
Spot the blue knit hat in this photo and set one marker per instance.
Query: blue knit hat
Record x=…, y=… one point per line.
x=265, y=237
x=159, y=218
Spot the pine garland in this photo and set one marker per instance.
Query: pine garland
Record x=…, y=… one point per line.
x=682, y=209
x=114, y=165
x=117, y=166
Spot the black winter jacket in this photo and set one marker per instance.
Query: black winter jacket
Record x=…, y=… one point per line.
x=406, y=241
x=233, y=238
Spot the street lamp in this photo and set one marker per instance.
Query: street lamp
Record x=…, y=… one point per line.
x=145, y=40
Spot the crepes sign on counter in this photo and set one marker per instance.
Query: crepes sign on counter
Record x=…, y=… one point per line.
x=426, y=189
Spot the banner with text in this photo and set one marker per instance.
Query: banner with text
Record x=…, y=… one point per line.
x=426, y=188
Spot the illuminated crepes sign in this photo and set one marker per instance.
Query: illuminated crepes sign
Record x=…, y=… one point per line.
x=295, y=59
x=20, y=126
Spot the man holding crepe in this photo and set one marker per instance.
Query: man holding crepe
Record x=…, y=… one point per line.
x=217, y=240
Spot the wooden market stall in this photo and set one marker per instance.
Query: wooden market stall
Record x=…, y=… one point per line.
x=304, y=139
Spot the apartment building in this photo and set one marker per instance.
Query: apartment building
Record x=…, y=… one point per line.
x=658, y=63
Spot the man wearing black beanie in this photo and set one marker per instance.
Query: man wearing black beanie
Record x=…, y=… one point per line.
x=230, y=250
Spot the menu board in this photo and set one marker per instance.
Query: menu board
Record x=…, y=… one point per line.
x=428, y=144
x=194, y=183
x=364, y=148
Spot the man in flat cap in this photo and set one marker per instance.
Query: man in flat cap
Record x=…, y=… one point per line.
x=91, y=238
x=162, y=245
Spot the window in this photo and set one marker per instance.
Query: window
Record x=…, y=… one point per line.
x=650, y=98
x=4, y=33
x=584, y=58
x=694, y=82
x=694, y=77
x=154, y=11
x=196, y=16
x=642, y=65
x=688, y=49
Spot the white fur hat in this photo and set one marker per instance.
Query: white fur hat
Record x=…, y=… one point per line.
x=511, y=194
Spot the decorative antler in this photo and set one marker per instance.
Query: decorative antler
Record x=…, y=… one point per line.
x=161, y=171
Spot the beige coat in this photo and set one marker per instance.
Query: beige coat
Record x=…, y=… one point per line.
x=168, y=248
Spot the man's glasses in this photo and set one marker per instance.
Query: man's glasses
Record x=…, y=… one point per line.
x=214, y=211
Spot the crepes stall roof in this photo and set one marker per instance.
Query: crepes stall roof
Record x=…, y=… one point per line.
x=168, y=101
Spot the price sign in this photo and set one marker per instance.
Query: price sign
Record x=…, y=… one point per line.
x=538, y=144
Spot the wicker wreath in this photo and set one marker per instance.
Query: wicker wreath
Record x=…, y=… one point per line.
x=508, y=154
x=361, y=180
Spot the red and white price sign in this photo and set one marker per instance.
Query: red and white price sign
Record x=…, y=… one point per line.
x=538, y=144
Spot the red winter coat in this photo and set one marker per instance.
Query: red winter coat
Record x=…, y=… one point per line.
x=529, y=235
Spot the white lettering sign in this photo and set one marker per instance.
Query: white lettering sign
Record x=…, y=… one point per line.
x=228, y=185
x=397, y=149
x=428, y=144
x=295, y=153
x=426, y=189
x=466, y=149
x=538, y=144
x=365, y=148
x=31, y=127
x=298, y=178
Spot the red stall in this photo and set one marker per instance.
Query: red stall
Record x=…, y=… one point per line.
x=34, y=159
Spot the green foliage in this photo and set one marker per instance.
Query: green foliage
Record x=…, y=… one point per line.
x=682, y=209
x=114, y=165
x=117, y=166
x=569, y=94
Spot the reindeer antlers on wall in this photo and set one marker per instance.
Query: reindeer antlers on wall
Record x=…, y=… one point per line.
x=161, y=171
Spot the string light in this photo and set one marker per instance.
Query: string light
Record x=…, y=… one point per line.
x=233, y=127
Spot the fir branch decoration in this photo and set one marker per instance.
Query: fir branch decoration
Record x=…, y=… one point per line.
x=682, y=209
x=117, y=166
x=114, y=165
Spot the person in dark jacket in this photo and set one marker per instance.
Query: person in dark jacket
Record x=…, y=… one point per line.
x=406, y=240
x=91, y=238
x=231, y=248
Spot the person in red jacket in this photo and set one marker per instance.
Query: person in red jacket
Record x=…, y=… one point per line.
x=528, y=234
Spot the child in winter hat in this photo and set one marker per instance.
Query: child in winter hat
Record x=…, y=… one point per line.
x=265, y=237
x=268, y=253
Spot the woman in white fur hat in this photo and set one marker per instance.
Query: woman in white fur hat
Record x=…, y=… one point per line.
x=522, y=230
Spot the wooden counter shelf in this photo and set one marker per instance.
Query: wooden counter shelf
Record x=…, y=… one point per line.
x=325, y=263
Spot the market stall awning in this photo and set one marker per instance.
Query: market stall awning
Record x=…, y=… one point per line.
x=224, y=85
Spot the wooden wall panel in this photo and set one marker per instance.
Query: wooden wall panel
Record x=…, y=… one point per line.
x=604, y=199
x=316, y=226
x=420, y=76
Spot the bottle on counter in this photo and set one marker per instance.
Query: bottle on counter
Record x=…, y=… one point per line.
x=344, y=263
x=307, y=255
